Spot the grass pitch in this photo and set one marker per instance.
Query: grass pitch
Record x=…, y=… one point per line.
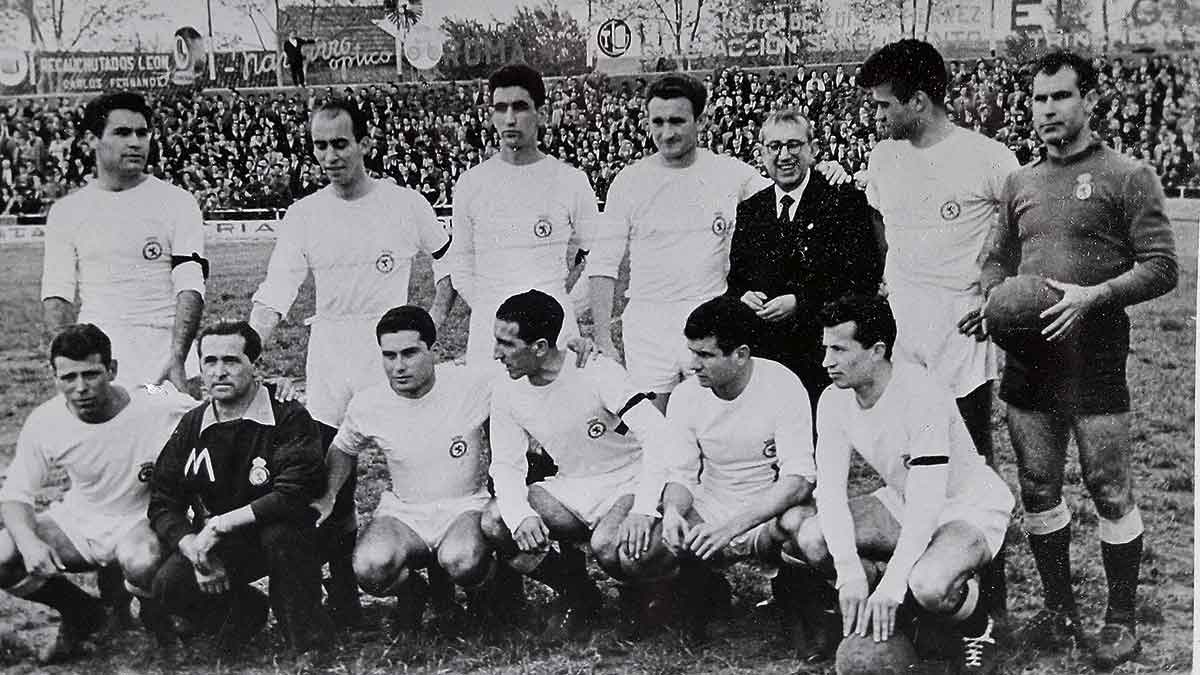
x=1162, y=375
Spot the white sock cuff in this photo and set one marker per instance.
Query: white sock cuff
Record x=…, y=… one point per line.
x=1049, y=521
x=1122, y=531
x=969, y=604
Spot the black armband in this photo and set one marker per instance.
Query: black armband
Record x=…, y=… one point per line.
x=437, y=255
x=929, y=460
x=177, y=260
x=637, y=398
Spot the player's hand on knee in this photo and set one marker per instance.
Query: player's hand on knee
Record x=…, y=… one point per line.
x=707, y=540
x=41, y=560
x=634, y=534
x=675, y=530
x=852, y=597
x=531, y=535
x=754, y=300
x=881, y=607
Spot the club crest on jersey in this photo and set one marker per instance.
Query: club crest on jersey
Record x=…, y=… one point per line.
x=258, y=472
x=458, y=447
x=152, y=249
x=719, y=225
x=543, y=228
x=769, y=447
x=1083, y=187
x=385, y=263
x=596, y=428
x=951, y=210
x=145, y=472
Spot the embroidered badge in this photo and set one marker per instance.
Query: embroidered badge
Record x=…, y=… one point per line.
x=719, y=225
x=951, y=210
x=769, y=448
x=543, y=228
x=1083, y=187
x=258, y=472
x=152, y=250
x=385, y=263
x=458, y=447
x=145, y=472
x=596, y=428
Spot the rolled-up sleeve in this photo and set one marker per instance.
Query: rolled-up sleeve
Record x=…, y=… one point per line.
x=59, y=262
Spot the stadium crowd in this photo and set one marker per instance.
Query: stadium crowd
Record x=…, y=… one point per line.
x=251, y=151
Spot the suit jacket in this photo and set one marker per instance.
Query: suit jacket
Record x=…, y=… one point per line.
x=293, y=52
x=829, y=249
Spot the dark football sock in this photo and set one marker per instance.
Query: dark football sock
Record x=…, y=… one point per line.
x=1052, y=552
x=1122, y=563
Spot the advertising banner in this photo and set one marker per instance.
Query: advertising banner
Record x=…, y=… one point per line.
x=70, y=72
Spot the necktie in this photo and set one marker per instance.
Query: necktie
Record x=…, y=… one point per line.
x=785, y=205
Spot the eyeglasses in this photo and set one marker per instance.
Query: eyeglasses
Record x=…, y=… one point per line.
x=793, y=146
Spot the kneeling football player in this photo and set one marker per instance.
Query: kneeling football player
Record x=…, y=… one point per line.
x=106, y=438
x=595, y=425
x=247, y=467
x=428, y=422
x=747, y=460
x=942, y=514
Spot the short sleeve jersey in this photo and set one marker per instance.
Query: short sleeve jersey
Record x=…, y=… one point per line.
x=109, y=464
x=513, y=224
x=914, y=417
x=678, y=224
x=434, y=444
x=123, y=252
x=360, y=251
x=938, y=205
x=744, y=445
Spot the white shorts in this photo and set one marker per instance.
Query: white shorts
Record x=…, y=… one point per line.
x=481, y=336
x=656, y=352
x=141, y=351
x=749, y=544
x=343, y=358
x=430, y=520
x=927, y=334
x=991, y=522
x=590, y=498
x=94, y=535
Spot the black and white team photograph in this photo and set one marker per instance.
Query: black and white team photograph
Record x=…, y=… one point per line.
x=598, y=336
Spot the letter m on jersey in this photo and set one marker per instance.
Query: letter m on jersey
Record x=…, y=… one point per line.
x=197, y=460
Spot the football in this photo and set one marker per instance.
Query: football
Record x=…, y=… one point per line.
x=864, y=656
x=1013, y=310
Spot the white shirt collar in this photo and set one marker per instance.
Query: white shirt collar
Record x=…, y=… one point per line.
x=259, y=411
x=796, y=193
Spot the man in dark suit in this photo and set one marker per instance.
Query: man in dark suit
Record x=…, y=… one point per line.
x=293, y=50
x=797, y=245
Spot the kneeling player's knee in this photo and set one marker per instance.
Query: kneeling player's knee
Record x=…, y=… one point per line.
x=139, y=561
x=375, y=567
x=790, y=521
x=606, y=546
x=930, y=588
x=465, y=562
x=492, y=524
x=810, y=542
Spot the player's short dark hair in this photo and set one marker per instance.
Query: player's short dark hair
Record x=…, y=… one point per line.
x=407, y=317
x=519, y=75
x=536, y=314
x=872, y=317
x=95, y=114
x=335, y=104
x=79, y=341
x=727, y=319
x=909, y=66
x=680, y=86
x=1051, y=62
x=252, y=343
